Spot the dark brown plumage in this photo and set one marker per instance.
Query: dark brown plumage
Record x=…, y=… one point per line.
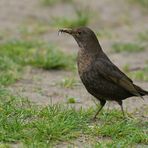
x=100, y=76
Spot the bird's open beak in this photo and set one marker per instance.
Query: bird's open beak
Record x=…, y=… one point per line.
x=69, y=31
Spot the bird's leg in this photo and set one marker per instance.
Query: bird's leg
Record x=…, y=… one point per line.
x=120, y=103
x=102, y=103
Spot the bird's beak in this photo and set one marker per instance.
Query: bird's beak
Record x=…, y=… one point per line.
x=69, y=31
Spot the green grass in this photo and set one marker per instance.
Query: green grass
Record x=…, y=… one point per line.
x=71, y=100
x=15, y=55
x=127, y=47
x=82, y=19
x=68, y=82
x=139, y=74
x=35, y=126
x=126, y=68
x=53, y=2
x=9, y=71
x=122, y=133
x=143, y=36
x=51, y=58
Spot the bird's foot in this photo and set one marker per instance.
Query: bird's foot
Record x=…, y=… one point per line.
x=94, y=119
x=127, y=118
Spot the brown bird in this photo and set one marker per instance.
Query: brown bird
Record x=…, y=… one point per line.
x=102, y=79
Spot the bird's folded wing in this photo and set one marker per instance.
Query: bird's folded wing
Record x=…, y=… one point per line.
x=110, y=72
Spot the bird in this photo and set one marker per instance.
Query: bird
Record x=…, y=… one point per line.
x=100, y=76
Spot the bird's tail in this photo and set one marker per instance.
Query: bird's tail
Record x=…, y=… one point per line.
x=141, y=91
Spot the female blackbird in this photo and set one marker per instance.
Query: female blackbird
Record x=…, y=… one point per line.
x=100, y=76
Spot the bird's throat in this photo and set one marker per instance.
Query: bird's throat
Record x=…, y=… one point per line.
x=83, y=61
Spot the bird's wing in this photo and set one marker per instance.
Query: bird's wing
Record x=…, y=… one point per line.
x=112, y=73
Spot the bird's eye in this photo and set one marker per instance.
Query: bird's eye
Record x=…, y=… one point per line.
x=79, y=32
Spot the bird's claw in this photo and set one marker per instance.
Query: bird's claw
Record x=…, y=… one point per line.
x=60, y=31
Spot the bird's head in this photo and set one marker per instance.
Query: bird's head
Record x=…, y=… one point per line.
x=84, y=36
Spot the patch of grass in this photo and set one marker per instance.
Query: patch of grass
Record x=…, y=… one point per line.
x=53, y=2
x=37, y=54
x=9, y=71
x=71, y=100
x=139, y=74
x=18, y=51
x=15, y=55
x=51, y=58
x=4, y=145
x=121, y=132
x=126, y=68
x=36, y=126
x=68, y=82
x=127, y=47
x=82, y=19
x=143, y=36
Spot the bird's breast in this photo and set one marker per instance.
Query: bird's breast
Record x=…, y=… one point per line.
x=84, y=62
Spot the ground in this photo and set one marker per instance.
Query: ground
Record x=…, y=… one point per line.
x=114, y=21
